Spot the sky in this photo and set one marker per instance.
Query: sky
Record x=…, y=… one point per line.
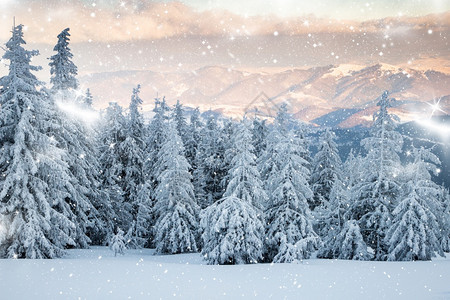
x=112, y=35
x=337, y=9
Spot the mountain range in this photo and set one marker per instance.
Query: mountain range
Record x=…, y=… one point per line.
x=340, y=96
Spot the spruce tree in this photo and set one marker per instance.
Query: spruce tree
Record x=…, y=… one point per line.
x=102, y=222
x=157, y=130
x=268, y=161
x=112, y=136
x=331, y=220
x=259, y=136
x=346, y=244
x=78, y=138
x=352, y=169
x=117, y=243
x=326, y=168
x=176, y=228
x=178, y=116
x=62, y=69
x=35, y=178
x=233, y=229
x=376, y=194
x=193, y=138
x=445, y=221
x=415, y=231
x=133, y=161
x=88, y=99
x=290, y=235
x=209, y=173
x=227, y=135
x=155, y=138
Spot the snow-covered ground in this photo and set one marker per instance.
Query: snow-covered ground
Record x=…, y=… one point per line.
x=97, y=274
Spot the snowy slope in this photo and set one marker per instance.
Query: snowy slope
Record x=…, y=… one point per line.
x=97, y=274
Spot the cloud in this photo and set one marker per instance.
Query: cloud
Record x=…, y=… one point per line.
x=116, y=21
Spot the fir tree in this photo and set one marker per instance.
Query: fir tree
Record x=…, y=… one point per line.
x=180, y=120
x=289, y=231
x=62, y=69
x=102, y=222
x=376, y=194
x=193, y=138
x=349, y=244
x=445, y=221
x=117, y=243
x=88, y=99
x=268, y=160
x=259, y=136
x=209, y=161
x=78, y=139
x=111, y=137
x=245, y=182
x=414, y=232
x=326, y=168
x=157, y=130
x=156, y=137
x=177, y=224
x=233, y=226
x=35, y=179
x=133, y=161
x=351, y=169
x=331, y=220
x=232, y=232
x=227, y=134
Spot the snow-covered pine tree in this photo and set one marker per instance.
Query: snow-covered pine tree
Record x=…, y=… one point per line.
x=445, y=220
x=209, y=161
x=244, y=179
x=88, y=99
x=233, y=229
x=79, y=139
x=290, y=236
x=176, y=229
x=193, y=138
x=62, y=69
x=332, y=219
x=302, y=131
x=35, y=178
x=326, y=168
x=414, y=232
x=112, y=136
x=117, y=243
x=268, y=160
x=156, y=134
x=352, y=169
x=227, y=134
x=84, y=174
x=133, y=160
x=348, y=244
x=156, y=137
x=180, y=120
x=144, y=216
x=376, y=194
x=102, y=222
x=259, y=136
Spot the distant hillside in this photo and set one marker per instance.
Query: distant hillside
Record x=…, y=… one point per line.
x=341, y=96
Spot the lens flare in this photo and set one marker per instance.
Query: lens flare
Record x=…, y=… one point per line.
x=87, y=116
x=442, y=129
x=435, y=107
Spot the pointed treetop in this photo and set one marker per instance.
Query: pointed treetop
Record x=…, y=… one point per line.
x=20, y=59
x=88, y=98
x=62, y=69
x=385, y=102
